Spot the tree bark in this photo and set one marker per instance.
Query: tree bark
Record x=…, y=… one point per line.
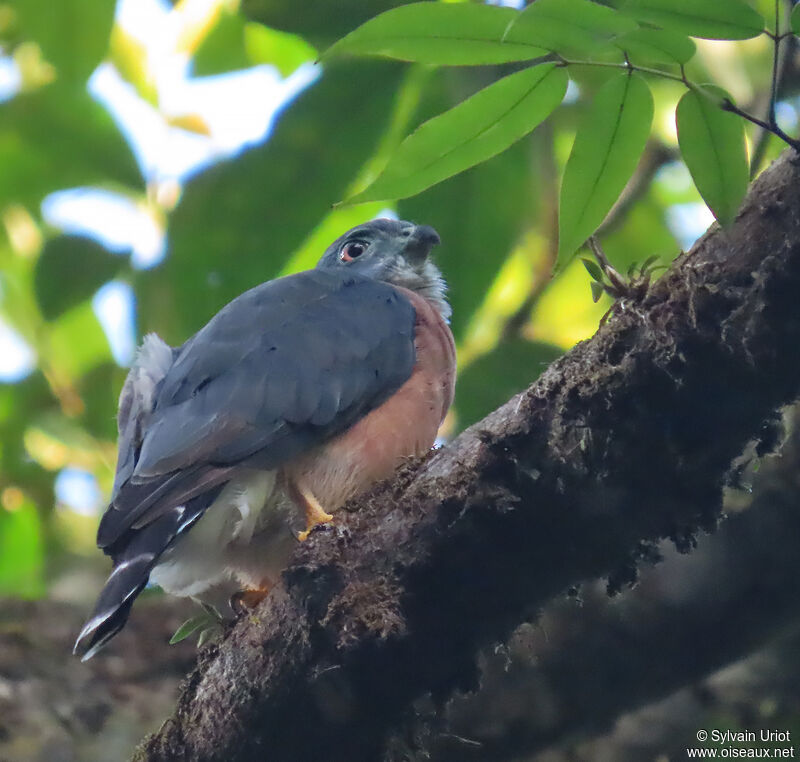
x=591, y=658
x=624, y=441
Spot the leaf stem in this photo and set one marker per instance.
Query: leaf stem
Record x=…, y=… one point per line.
x=770, y=126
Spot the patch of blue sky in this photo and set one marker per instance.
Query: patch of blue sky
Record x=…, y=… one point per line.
x=79, y=491
x=507, y=3
x=17, y=359
x=114, y=304
x=688, y=222
x=10, y=78
x=238, y=110
x=114, y=220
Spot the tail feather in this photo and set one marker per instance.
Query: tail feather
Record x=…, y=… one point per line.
x=132, y=566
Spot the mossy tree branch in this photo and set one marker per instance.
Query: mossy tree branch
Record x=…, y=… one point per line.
x=619, y=444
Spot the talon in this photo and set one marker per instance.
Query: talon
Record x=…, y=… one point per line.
x=245, y=600
x=315, y=513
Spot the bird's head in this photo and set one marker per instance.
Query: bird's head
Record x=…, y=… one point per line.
x=393, y=251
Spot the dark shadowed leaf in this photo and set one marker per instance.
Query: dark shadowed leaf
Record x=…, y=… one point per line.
x=223, y=48
x=478, y=225
x=480, y=127
x=568, y=26
x=439, y=33
x=73, y=34
x=479, y=214
x=593, y=269
x=607, y=148
x=313, y=19
x=795, y=19
x=495, y=377
x=238, y=221
x=656, y=45
x=713, y=146
x=56, y=138
x=69, y=270
x=713, y=19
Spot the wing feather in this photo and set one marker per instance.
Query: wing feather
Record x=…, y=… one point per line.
x=280, y=369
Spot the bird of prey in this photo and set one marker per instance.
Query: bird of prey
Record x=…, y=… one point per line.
x=292, y=399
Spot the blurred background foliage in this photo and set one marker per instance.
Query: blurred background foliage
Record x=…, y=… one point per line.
x=158, y=159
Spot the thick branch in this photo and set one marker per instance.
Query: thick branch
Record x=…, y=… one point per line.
x=622, y=442
x=585, y=662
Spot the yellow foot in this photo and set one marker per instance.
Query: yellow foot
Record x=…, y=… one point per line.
x=245, y=600
x=315, y=513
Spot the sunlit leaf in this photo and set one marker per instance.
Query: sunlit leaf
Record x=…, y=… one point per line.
x=656, y=45
x=480, y=127
x=439, y=33
x=129, y=56
x=713, y=146
x=76, y=342
x=55, y=441
x=492, y=379
x=21, y=549
x=607, y=148
x=285, y=51
x=568, y=26
x=712, y=19
x=80, y=264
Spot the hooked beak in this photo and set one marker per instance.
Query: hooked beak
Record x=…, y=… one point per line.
x=422, y=239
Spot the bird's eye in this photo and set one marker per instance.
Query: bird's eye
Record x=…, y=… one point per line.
x=352, y=250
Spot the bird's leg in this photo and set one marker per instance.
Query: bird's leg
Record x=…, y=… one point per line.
x=245, y=600
x=315, y=513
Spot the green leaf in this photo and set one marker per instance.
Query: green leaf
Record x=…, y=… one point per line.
x=188, y=627
x=656, y=45
x=439, y=33
x=495, y=377
x=284, y=51
x=21, y=552
x=712, y=19
x=223, y=48
x=479, y=226
x=318, y=21
x=795, y=20
x=713, y=146
x=77, y=342
x=597, y=290
x=593, y=269
x=568, y=26
x=80, y=262
x=607, y=148
x=235, y=43
x=73, y=34
x=58, y=137
x=480, y=127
